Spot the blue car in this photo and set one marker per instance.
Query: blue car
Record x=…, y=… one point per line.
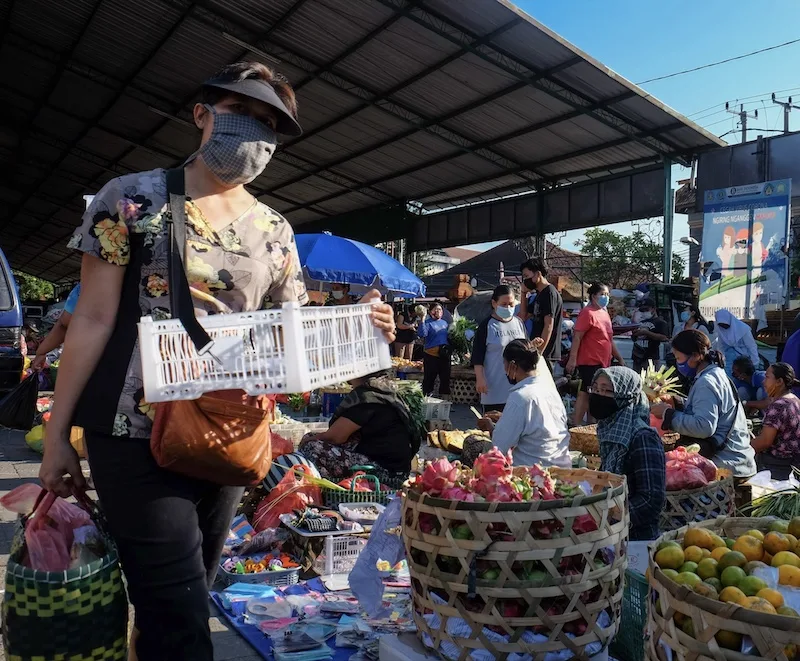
x=11, y=360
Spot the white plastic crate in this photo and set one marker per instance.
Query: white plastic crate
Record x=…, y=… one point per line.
x=294, y=349
x=436, y=409
x=340, y=554
x=295, y=431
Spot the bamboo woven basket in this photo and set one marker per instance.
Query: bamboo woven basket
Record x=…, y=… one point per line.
x=772, y=636
x=479, y=593
x=584, y=439
x=701, y=504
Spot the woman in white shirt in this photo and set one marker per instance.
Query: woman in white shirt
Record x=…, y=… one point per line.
x=533, y=424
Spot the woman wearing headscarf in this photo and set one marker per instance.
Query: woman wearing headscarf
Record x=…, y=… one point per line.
x=629, y=446
x=734, y=339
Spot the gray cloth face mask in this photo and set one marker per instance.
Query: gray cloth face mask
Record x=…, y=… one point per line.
x=238, y=149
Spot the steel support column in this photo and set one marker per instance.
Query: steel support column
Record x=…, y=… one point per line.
x=669, y=219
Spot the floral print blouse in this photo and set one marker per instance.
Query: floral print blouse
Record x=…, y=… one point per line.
x=251, y=264
x=784, y=415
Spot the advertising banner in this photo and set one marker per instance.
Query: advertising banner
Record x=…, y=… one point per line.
x=743, y=262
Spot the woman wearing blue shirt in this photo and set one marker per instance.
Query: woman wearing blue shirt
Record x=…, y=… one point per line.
x=56, y=336
x=436, y=356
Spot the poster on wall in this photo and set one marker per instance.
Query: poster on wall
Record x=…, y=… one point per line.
x=743, y=263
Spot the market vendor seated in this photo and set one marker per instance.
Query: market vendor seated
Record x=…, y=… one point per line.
x=373, y=426
x=778, y=444
x=749, y=384
x=533, y=424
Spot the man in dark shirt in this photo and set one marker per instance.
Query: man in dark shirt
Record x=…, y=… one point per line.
x=545, y=313
x=647, y=339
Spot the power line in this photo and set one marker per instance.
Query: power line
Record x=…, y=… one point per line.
x=744, y=98
x=725, y=61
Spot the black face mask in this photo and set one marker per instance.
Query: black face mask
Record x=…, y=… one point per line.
x=530, y=285
x=602, y=407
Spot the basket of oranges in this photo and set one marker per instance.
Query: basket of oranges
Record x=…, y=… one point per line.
x=726, y=589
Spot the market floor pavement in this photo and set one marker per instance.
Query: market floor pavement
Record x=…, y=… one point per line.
x=19, y=464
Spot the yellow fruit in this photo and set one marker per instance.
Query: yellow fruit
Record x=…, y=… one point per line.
x=751, y=585
x=761, y=605
x=670, y=557
x=698, y=537
x=718, y=552
x=733, y=595
x=789, y=575
x=664, y=545
x=767, y=558
x=706, y=553
x=688, y=566
x=775, y=542
x=794, y=527
x=717, y=541
x=750, y=547
x=785, y=558
x=795, y=544
x=788, y=612
x=705, y=590
x=757, y=534
x=671, y=574
x=772, y=596
x=732, y=559
x=688, y=578
x=730, y=640
x=707, y=568
x=695, y=553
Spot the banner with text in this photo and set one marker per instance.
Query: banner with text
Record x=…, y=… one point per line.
x=743, y=263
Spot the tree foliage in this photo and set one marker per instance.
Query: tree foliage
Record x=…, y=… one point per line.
x=623, y=261
x=32, y=288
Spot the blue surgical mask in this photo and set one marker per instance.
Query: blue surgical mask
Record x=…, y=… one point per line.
x=503, y=312
x=687, y=370
x=685, y=316
x=602, y=301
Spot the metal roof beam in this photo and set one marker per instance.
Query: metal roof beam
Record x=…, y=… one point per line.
x=110, y=104
x=372, y=97
x=444, y=27
x=514, y=171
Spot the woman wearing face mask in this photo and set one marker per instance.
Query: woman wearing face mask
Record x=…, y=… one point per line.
x=436, y=352
x=630, y=446
x=493, y=335
x=169, y=528
x=690, y=319
x=711, y=415
x=733, y=339
x=778, y=444
x=592, y=346
x=533, y=424
x=340, y=294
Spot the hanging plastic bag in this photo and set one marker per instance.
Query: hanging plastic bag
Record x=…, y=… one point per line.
x=293, y=492
x=18, y=408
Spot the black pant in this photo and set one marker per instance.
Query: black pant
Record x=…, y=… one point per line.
x=170, y=531
x=434, y=366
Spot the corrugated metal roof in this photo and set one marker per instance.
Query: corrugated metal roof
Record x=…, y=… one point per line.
x=432, y=101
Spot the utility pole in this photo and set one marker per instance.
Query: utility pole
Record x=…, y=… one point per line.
x=743, y=116
x=787, y=108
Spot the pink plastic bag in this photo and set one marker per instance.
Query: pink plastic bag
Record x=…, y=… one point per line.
x=705, y=465
x=685, y=476
x=49, y=530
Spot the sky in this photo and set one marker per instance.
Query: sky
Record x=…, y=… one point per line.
x=643, y=39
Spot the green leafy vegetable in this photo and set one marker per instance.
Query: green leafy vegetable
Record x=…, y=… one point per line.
x=460, y=335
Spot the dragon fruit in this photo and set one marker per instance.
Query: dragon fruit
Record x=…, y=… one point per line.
x=439, y=476
x=502, y=491
x=541, y=479
x=457, y=492
x=492, y=465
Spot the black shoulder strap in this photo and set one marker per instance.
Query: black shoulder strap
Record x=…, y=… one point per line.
x=179, y=295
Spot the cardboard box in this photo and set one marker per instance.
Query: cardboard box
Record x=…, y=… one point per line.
x=637, y=556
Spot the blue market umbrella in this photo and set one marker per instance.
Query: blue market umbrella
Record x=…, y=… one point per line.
x=328, y=259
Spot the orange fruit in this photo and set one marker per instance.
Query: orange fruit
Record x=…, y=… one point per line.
x=730, y=640
x=767, y=558
x=794, y=527
x=717, y=541
x=706, y=553
x=795, y=548
x=750, y=547
x=757, y=534
x=775, y=542
x=698, y=537
x=785, y=558
x=732, y=595
x=732, y=559
x=718, y=552
x=693, y=553
x=789, y=575
x=761, y=605
x=772, y=596
x=670, y=557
